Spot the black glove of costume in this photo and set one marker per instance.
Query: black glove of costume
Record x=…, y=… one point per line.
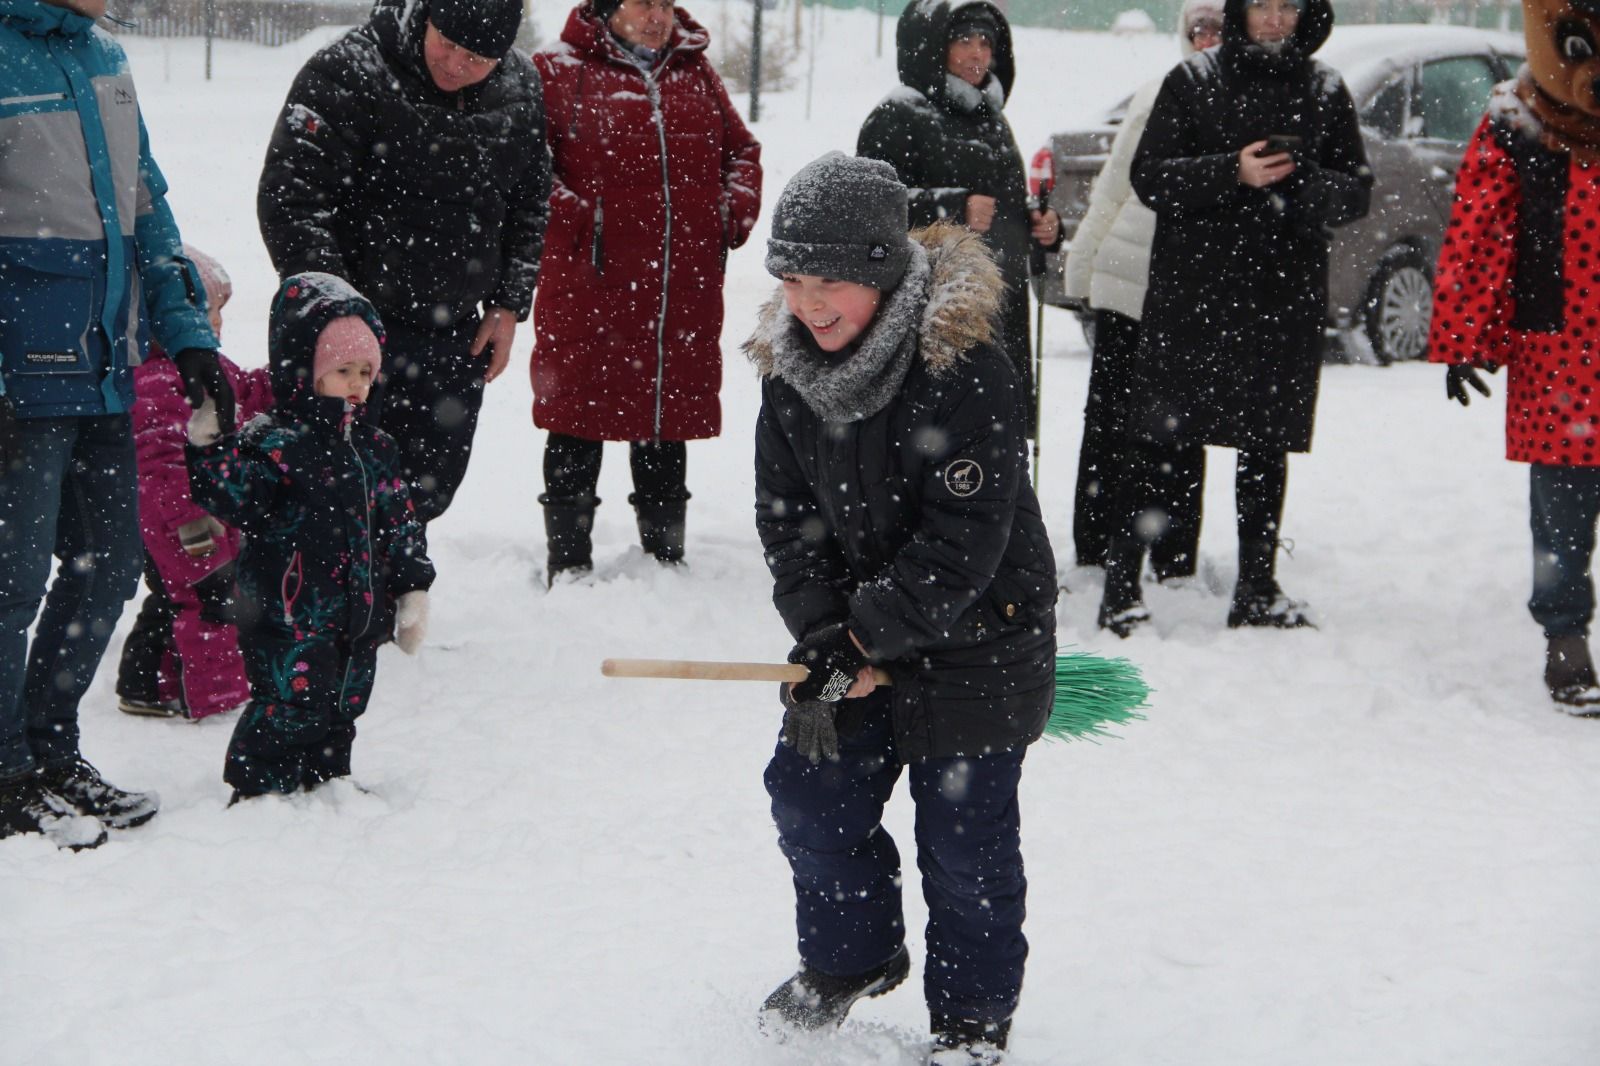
x=833, y=659
x=809, y=728
x=1458, y=377
x=202, y=376
x=216, y=594
x=10, y=436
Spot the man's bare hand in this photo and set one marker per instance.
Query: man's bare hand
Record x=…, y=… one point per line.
x=496, y=332
x=980, y=213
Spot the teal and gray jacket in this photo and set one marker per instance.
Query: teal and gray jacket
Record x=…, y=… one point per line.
x=91, y=264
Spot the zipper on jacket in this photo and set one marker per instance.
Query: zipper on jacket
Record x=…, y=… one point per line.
x=666, y=244
x=597, y=248
x=372, y=550
x=296, y=570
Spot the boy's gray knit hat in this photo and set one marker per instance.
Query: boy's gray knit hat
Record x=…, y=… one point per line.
x=842, y=217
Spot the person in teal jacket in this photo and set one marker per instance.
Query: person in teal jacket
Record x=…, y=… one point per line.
x=91, y=270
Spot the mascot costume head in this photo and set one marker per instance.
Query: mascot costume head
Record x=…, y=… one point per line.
x=1561, y=83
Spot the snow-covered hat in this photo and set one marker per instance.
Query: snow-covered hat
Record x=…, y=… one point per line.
x=482, y=27
x=214, y=279
x=346, y=339
x=842, y=217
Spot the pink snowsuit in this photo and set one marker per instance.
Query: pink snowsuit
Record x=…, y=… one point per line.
x=212, y=670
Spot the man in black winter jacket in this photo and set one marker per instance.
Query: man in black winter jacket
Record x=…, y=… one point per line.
x=410, y=160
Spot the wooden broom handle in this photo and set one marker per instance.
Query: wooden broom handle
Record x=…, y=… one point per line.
x=701, y=670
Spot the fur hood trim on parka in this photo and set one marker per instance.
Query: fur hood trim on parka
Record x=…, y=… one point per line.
x=964, y=295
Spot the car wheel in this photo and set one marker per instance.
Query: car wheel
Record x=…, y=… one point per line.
x=1398, y=306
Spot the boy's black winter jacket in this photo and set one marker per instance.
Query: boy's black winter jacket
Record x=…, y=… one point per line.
x=330, y=536
x=428, y=202
x=918, y=524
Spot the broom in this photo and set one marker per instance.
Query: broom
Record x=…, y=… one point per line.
x=1092, y=692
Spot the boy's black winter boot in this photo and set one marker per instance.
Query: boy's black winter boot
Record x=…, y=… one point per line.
x=812, y=999
x=1569, y=675
x=1257, y=599
x=82, y=786
x=661, y=525
x=567, y=525
x=1122, y=608
x=26, y=806
x=968, y=1042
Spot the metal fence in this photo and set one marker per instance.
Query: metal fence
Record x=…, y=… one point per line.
x=269, y=22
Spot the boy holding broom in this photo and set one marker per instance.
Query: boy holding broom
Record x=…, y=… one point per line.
x=894, y=507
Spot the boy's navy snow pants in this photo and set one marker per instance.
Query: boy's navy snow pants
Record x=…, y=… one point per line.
x=847, y=869
x=305, y=696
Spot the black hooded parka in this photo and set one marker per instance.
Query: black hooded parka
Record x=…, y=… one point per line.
x=428, y=202
x=1231, y=336
x=944, y=152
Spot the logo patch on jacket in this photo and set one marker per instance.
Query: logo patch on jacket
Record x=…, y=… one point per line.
x=50, y=358
x=963, y=477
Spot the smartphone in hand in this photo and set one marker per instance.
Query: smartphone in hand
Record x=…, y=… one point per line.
x=1278, y=143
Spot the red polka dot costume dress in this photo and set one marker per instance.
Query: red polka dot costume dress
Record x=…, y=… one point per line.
x=1518, y=283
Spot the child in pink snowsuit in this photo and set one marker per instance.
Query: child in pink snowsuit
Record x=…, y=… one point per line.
x=182, y=656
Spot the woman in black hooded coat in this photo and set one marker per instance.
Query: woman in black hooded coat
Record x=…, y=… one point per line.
x=949, y=141
x=1231, y=336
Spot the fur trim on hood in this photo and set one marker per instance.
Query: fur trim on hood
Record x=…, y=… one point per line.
x=962, y=309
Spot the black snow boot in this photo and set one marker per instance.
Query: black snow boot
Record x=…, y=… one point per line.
x=1122, y=608
x=1569, y=675
x=1257, y=599
x=82, y=786
x=567, y=525
x=661, y=525
x=967, y=1042
x=26, y=806
x=812, y=999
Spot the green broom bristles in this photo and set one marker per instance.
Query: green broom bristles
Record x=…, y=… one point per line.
x=1093, y=692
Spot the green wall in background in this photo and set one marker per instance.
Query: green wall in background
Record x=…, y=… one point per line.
x=1099, y=14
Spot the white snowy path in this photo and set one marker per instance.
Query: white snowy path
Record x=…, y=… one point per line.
x=1370, y=844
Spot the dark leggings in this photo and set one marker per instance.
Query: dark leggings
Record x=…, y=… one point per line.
x=572, y=468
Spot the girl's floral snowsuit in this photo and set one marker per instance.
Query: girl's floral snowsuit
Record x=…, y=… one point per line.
x=331, y=540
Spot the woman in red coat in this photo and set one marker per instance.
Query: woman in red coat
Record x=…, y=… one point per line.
x=656, y=178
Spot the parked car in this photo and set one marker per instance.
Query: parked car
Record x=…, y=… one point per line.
x=1420, y=91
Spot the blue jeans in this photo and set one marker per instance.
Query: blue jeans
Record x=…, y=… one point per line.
x=847, y=868
x=73, y=495
x=1564, y=502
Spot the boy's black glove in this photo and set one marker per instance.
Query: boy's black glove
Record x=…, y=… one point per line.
x=809, y=728
x=1459, y=376
x=833, y=659
x=10, y=435
x=203, y=376
x=216, y=594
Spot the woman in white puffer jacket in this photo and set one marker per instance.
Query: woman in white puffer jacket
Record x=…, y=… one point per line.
x=1107, y=268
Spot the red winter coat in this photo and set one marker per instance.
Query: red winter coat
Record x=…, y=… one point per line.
x=656, y=177
x=1518, y=285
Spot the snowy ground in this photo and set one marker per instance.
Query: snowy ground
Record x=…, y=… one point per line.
x=1370, y=844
